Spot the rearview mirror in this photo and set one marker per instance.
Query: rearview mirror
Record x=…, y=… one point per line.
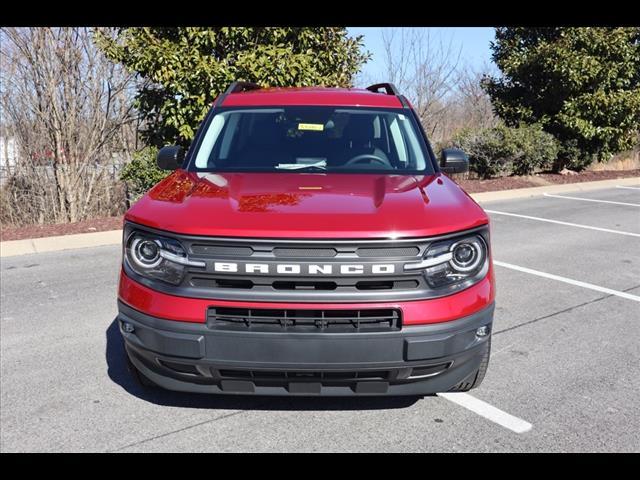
x=170, y=158
x=454, y=160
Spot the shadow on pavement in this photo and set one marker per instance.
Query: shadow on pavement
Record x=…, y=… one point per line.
x=119, y=374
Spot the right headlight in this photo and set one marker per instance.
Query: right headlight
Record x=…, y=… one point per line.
x=454, y=264
x=156, y=257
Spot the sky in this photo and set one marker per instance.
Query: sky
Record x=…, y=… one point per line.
x=473, y=43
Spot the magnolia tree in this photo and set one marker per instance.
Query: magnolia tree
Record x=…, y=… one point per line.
x=581, y=84
x=187, y=67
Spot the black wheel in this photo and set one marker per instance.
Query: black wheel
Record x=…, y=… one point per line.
x=138, y=376
x=475, y=380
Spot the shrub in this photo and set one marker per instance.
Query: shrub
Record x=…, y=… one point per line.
x=502, y=150
x=571, y=156
x=142, y=172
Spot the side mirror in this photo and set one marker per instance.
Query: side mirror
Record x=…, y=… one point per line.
x=454, y=160
x=170, y=158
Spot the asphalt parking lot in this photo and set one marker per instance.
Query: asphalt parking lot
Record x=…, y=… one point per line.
x=564, y=371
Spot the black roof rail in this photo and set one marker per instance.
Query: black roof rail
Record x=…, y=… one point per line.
x=237, y=87
x=390, y=88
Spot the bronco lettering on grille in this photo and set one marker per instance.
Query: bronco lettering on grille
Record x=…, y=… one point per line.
x=304, y=269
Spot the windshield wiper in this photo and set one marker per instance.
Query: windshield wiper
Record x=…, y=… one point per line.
x=316, y=167
x=307, y=168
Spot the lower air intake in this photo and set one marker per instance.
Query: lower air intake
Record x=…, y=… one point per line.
x=334, y=321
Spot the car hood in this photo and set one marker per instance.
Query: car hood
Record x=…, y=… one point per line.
x=307, y=205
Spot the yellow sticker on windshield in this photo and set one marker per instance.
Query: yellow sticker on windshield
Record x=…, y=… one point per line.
x=317, y=127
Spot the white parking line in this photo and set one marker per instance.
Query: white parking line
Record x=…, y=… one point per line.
x=488, y=411
x=630, y=188
x=608, y=230
x=570, y=281
x=591, y=200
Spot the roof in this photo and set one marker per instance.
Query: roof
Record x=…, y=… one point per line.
x=314, y=96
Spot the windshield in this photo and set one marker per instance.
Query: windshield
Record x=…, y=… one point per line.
x=312, y=139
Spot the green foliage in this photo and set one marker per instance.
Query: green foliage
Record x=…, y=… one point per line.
x=187, y=67
x=142, y=172
x=504, y=150
x=581, y=84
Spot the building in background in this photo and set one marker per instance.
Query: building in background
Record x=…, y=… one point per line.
x=7, y=156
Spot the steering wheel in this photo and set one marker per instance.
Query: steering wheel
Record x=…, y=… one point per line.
x=366, y=156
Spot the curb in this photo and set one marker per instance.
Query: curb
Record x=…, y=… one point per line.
x=13, y=248
x=63, y=242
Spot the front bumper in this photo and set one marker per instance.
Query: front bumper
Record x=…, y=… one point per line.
x=416, y=360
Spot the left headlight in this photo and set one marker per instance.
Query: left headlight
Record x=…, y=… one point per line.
x=157, y=257
x=454, y=264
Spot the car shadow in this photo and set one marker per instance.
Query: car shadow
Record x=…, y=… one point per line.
x=119, y=374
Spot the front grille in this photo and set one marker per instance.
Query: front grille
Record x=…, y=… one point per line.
x=248, y=249
x=293, y=285
x=388, y=285
x=327, y=283
x=221, y=250
x=388, y=252
x=280, y=284
x=300, y=271
x=332, y=321
x=304, y=252
x=220, y=283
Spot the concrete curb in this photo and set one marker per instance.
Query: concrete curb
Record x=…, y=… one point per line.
x=63, y=242
x=114, y=237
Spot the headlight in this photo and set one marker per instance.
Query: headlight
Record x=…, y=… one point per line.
x=157, y=257
x=455, y=264
x=145, y=252
x=467, y=255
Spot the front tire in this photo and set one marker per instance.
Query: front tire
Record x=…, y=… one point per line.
x=474, y=381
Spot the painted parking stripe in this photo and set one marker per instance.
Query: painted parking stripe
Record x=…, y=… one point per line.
x=570, y=281
x=591, y=200
x=548, y=220
x=488, y=411
x=630, y=188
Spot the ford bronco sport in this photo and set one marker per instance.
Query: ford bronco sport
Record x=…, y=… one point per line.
x=308, y=243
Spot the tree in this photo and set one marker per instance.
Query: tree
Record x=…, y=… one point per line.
x=187, y=67
x=69, y=110
x=581, y=84
x=474, y=109
x=424, y=68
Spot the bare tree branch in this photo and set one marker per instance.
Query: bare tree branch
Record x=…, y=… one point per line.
x=445, y=94
x=70, y=110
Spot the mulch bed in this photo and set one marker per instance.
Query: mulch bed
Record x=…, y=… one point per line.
x=589, y=176
x=52, y=230
x=471, y=186
x=494, y=184
x=508, y=183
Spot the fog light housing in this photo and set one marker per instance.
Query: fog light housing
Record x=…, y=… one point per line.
x=127, y=327
x=483, y=331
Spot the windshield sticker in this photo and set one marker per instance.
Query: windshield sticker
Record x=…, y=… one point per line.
x=317, y=127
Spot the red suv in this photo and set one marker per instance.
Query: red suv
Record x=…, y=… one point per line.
x=308, y=243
